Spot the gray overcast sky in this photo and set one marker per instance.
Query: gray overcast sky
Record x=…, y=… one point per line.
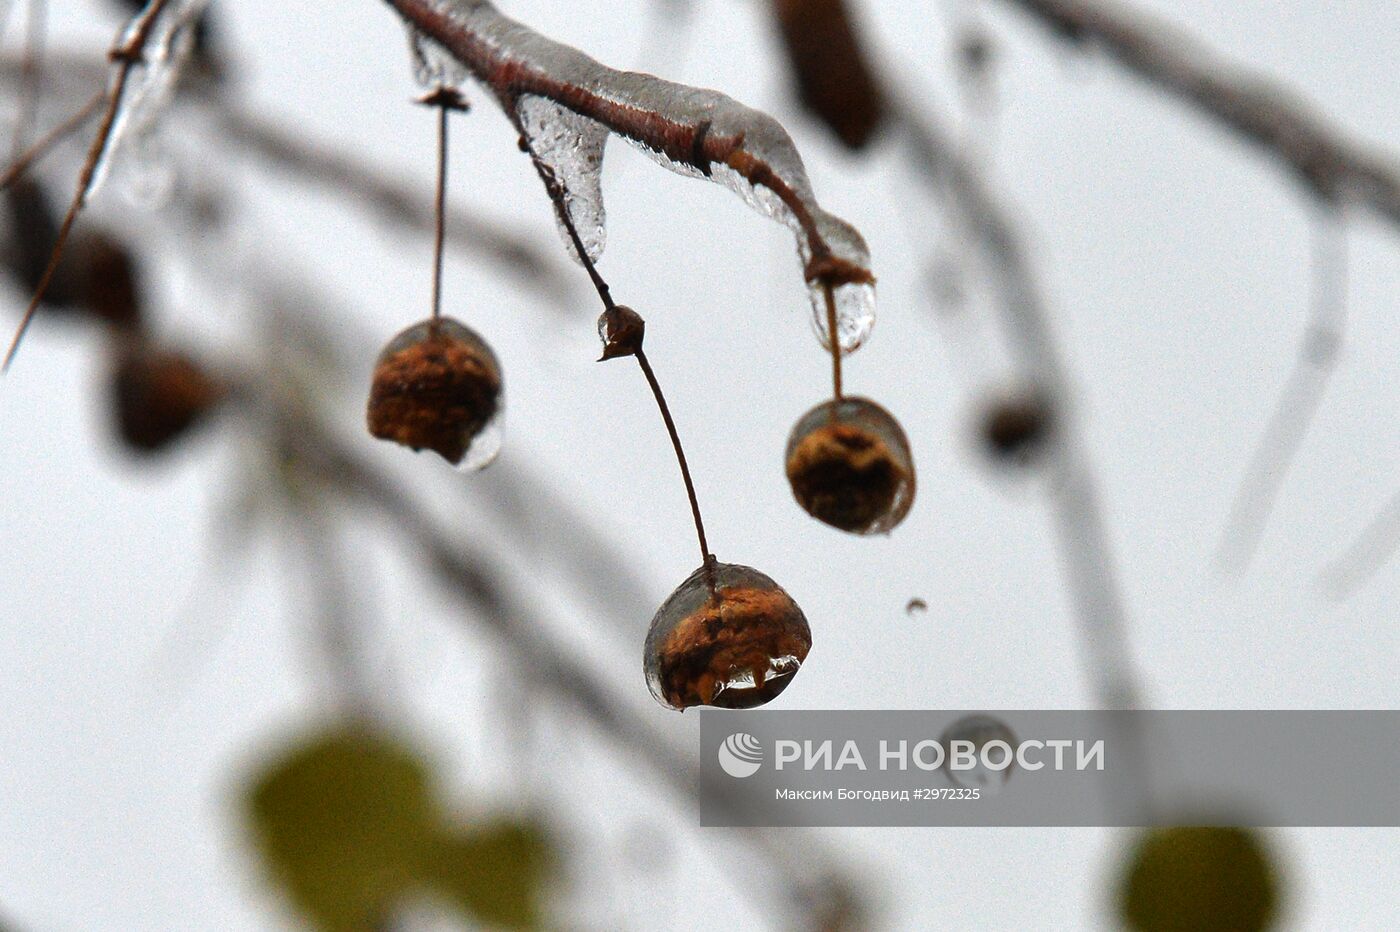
x=1175, y=260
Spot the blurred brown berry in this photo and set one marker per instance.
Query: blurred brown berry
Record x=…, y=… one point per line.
x=1017, y=427
x=159, y=394
x=436, y=387
x=849, y=466
x=96, y=274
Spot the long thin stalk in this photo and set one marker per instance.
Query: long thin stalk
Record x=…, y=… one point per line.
x=705, y=556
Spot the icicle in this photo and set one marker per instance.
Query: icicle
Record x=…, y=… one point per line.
x=572, y=146
x=151, y=83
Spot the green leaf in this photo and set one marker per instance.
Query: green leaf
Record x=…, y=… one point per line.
x=1200, y=879
x=496, y=872
x=345, y=822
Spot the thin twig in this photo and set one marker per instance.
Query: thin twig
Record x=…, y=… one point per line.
x=705, y=556
x=1258, y=107
x=556, y=195
x=24, y=161
x=31, y=75
x=126, y=55
x=440, y=211
x=1298, y=403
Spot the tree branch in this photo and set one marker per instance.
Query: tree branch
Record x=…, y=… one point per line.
x=1257, y=107
x=692, y=131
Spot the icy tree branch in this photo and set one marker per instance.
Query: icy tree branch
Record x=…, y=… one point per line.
x=1257, y=107
x=566, y=104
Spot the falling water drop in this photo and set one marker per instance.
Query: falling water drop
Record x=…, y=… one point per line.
x=437, y=386
x=728, y=637
x=849, y=466
x=974, y=733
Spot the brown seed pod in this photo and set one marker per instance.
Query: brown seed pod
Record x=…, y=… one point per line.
x=1186, y=879
x=834, y=80
x=437, y=386
x=1018, y=427
x=735, y=646
x=159, y=394
x=621, y=329
x=849, y=466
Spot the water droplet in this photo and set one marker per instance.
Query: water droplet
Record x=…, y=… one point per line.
x=916, y=606
x=849, y=466
x=734, y=646
x=437, y=386
x=978, y=731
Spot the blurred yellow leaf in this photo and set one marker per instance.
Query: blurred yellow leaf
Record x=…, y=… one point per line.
x=1199, y=879
x=496, y=872
x=345, y=822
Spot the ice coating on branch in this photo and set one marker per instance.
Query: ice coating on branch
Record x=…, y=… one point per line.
x=572, y=146
x=151, y=82
x=574, y=102
x=433, y=65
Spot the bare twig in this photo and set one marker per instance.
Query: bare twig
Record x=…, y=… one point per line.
x=1258, y=107
x=126, y=54
x=1298, y=403
x=31, y=74
x=706, y=558
x=25, y=160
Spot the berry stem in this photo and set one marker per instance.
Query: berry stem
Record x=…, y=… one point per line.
x=706, y=557
x=440, y=216
x=834, y=342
